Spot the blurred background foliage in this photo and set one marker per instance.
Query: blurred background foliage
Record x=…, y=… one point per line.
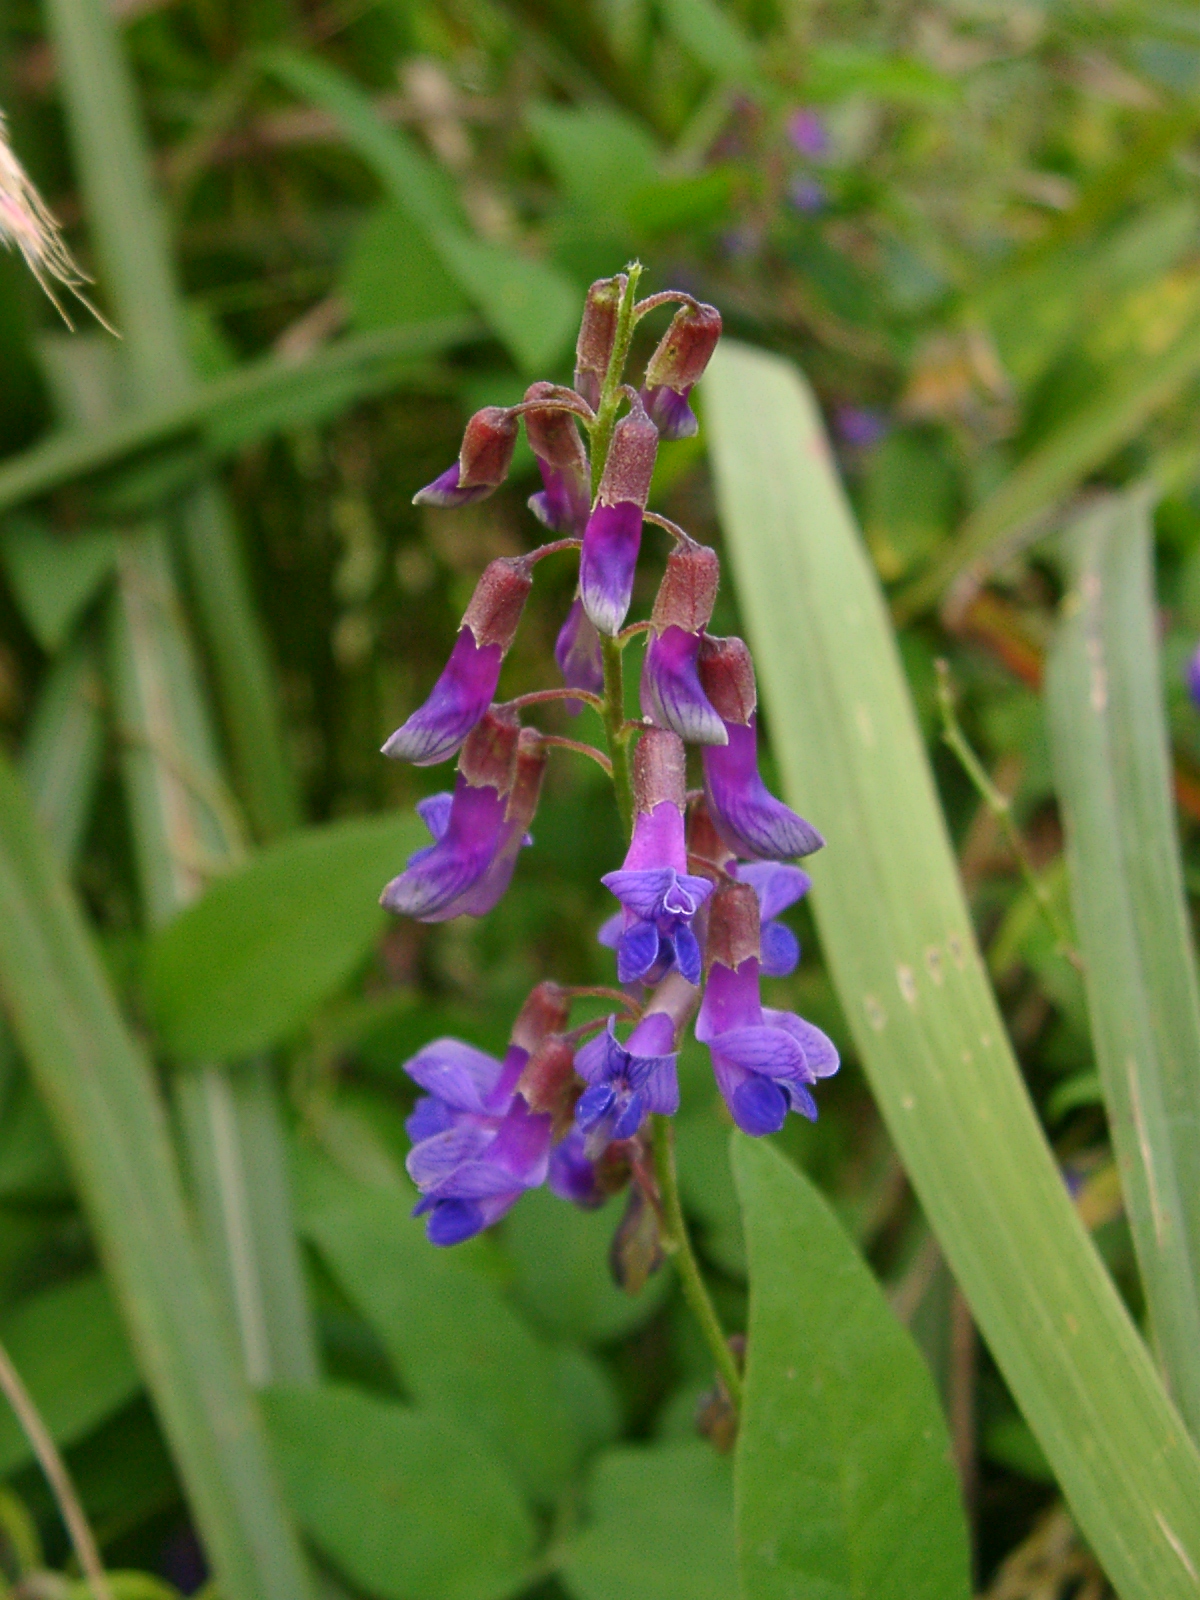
x=976, y=227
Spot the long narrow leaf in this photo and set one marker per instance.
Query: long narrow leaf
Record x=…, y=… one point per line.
x=100, y=1094
x=64, y=746
x=897, y=935
x=1112, y=767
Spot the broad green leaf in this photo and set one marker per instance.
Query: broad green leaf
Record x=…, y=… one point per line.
x=253, y=958
x=529, y=305
x=845, y=1482
x=394, y=277
x=599, y=156
x=53, y=576
x=897, y=937
x=1113, y=767
x=68, y=1345
x=98, y=1090
x=834, y=71
x=458, y=1347
x=660, y=1526
x=407, y=1505
x=561, y=1278
x=712, y=35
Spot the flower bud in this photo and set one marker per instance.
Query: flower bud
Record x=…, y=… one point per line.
x=565, y=500
x=597, y=332
x=630, y=464
x=733, y=926
x=727, y=675
x=688, y=591
x=495, y=609
x=677, y=365
x=489, y=754
x=483, y=461
x=636, y=1252
x=705, y=846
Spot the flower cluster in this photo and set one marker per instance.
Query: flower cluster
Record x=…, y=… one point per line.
x=707, y=871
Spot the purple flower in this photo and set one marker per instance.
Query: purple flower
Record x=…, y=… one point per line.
x=478, y=830
x=573, y=1176
x=677, y=366
x=859, y=426
x=777, y=887
x=1191, y=677
x=577, y=651
x=483, y=461
x=671, y=693
x=613, y=534
x=807, y=133
x=626, y=1082
x=468, y=681
x=751, y=821
x=807, y=195
x=659, y=898
x=563, y=504
x=476, y=1146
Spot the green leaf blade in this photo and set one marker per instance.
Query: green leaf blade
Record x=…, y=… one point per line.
x=844, y=1480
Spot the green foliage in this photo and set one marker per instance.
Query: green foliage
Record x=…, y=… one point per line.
x=836, y=1494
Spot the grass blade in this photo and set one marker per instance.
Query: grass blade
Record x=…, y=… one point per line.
x=1112, y=770
x=100, y=1094
x=897, y=936
x=65, y=744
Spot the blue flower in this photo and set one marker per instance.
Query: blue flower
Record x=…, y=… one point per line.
x=626, y=1082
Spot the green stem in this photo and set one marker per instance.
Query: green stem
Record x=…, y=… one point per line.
x=615, y=730
x=610, y=392
x=678, y=1244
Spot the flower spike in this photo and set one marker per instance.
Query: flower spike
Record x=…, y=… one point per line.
x=468, y=682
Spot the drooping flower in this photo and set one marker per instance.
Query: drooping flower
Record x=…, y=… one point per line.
x=483, y=461
x=468, y=681
x=677, y=365
x=628, y=1082
x=658, y=896
x=562, y=505
x=597, y=331
x=478, y=830
x=764, y=1060
x=754, y=824
x=477, y=1145
x=671, y=693
x=613, y=534
x=578, y=653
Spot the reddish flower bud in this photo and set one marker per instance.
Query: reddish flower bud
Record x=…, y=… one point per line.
x=685, y=350
x=630, y=464
x=705, y=846
x=549, y=1083
x=658, y=770
x=483, y=461
x=495, y=609
x=636, y=1252
x=547, y=1010
x=566, y=497
x=489, y=755
x=727, y=674
x=553, y=436
x=733, y=926
x=688, y=590
x=596, y=334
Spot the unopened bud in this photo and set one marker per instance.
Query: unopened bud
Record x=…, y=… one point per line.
x=636, y=1252
x=487, y=448
x=547, y=1010
x=733, y=926
x=553, y=436
x=549, y=1084
x=727, y=676
x=685, y=349
x=597, y=332
x=659, y=770
x=688, y=590
x=705, y=846
x=630, y=464
x=489, y=755
x=495, y=609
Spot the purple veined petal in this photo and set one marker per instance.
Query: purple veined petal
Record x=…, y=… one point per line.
x=522, y=1146
x=686, y=895
x=730, y=1000
x=444, y=491
x=642, y=1068
x=439, y=1160
x=687, y=954
x=434, y=812
x=800, y=1098
x=578, y=653
x=670, y=412
x=653, y=1036
x=465, y=1078
x=489, y=889
x=747, y=816
x=609, y=932
x=630, y=1117
x=564, y=503
x=780, y=950
x=671, y=694
x=756, y=1104
x=572, y=1176
x=430, y=1116
x=455, y=1221
x=637, y=952
x=660, y=1092
x=593, y=1105
x=607, y=563
x=659, y=839
x=772, y=1051
x=601, y=1058
x=458, y=699
x=641, y=889
x=820, y=1054
x=777, y=885
x=437, y=877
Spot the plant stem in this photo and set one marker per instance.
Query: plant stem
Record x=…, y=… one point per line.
x=610, y=393
x=677, y=1243
x=615, y=730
